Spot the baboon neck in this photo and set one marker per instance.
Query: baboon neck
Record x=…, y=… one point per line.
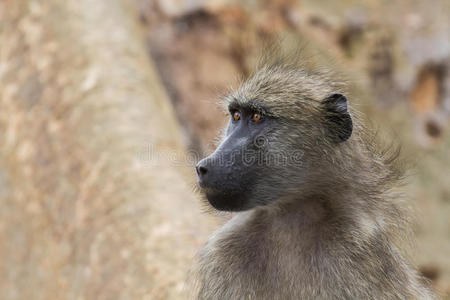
x=354, y=208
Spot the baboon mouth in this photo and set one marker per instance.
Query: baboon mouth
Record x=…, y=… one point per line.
x=214, y=192
x=226, y=200
x=207, y=190
x=211, y=187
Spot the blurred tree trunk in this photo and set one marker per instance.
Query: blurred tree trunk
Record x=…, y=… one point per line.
x=93, y=193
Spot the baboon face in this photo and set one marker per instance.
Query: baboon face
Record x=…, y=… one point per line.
x=264, y=156
x=229, y=177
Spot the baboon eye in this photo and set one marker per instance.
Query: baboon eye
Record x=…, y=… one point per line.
x=237, y=115
x=256, y=117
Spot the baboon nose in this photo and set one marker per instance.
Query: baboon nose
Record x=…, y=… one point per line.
x=201, y=170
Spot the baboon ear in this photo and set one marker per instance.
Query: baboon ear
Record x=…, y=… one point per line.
x=338, y=121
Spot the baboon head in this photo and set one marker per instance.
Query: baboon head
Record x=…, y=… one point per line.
x=283, y=123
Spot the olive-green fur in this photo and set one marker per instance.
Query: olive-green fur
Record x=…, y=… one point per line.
x=340, y=235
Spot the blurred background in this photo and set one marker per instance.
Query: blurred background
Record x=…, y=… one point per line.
x=106, y=105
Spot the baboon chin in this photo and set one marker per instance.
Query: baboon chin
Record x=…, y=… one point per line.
x=227, y=201
x=317, y=216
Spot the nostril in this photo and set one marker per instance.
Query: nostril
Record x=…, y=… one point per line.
x=201, y=170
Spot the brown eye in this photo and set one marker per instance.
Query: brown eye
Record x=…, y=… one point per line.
x=237, y=115
x=256, y=117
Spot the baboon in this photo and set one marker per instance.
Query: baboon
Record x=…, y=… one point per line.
x=316, y=212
